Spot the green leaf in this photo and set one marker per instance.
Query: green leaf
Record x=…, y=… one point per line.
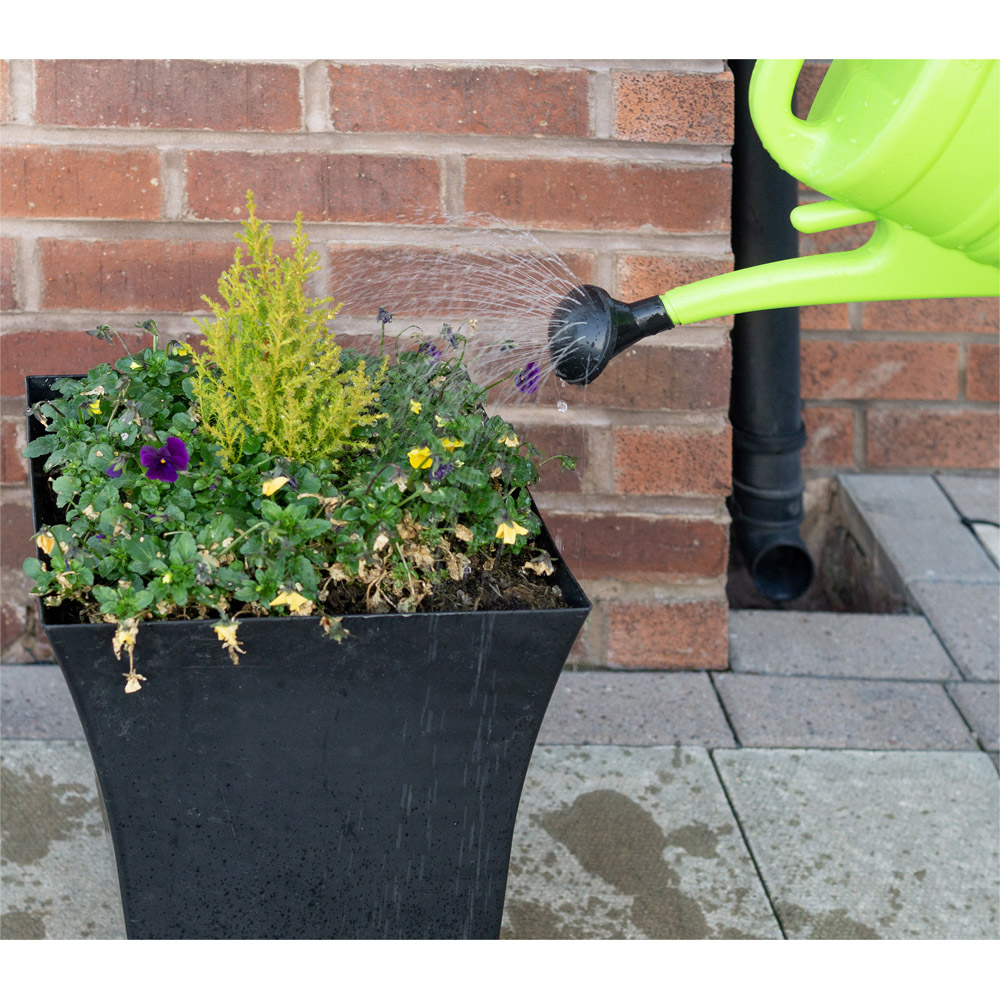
x=43, y=445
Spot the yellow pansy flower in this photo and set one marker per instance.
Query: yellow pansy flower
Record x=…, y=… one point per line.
x=510, y=440
x=415, y=407
x=451, y=443
x=273, y=485
x=509, y=532
x=293, y=599
x=95, y=406
x=420, y=458
x=46, y=541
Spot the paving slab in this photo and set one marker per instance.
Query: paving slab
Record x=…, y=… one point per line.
x=55, y=861
x=824, y=644
x=977, y=497
x=979, y=703
x=620, y=842
x=35, y=704
x=635, y=709
x=854, y=844
x=966, y=617
x=817, y=712
x=912, y=520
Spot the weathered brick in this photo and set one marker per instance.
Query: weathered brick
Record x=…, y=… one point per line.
x=13, y=467
x=829, y=436
x=4, y=90
x=810, y=77
x=640, y=547
x=17, y=531
x=830, y=316
x=323, y=186
x=934, y=315
x=870, y=369
x=131, y=274
x=589, y=194
x=671, y=462
x=660, y=106
x=8, y=287
x=424, y=281
x=982, y=374
x=685, y=635
x=171, y=93
x=660, y=377
x=39, y=182
x=922, y=438
x=638, y=276
x=484, y=100
x=52, y=352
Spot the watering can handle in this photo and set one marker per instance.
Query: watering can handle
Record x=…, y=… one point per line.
x=788, y=139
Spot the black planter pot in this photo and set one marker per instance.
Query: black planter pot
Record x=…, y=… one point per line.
x=366, y=789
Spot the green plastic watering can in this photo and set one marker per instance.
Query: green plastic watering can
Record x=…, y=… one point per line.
x=911, y=145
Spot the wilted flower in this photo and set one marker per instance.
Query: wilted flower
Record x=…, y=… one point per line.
x=46, y=541
x=384, y=316
x=528, y=377
x=164, y=463
x=295, y=601
x=511, y=440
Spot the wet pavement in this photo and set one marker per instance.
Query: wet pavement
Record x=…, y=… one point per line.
x=839, y=781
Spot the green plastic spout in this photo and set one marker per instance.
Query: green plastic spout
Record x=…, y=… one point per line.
x=895, y=263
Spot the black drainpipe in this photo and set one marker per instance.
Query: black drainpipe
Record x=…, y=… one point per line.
x=765, y=403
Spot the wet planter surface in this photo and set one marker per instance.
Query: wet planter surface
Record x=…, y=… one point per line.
x=362, y=789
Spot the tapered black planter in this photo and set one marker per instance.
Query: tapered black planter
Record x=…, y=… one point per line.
x=366, y=789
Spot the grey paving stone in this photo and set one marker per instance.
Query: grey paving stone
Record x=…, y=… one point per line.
x=817, y=643
x=35, y=704
x=58, y=875
x=635, y=709
x=966, y=617
x=974, y=496
x=817, y=712
x=980, y=704
x=854, y=844
x=619, y=842
x=917, y=527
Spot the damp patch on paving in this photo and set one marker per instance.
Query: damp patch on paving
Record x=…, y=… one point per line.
x=56, y=868
x=860, y=844
x=620, y=842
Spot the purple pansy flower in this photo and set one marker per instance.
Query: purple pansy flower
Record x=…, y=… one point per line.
x=164, y=463
x=433, y=353
x=384, y=316
x=528, y=377
x=441, y=471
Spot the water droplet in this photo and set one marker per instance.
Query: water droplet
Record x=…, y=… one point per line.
x=562, y=406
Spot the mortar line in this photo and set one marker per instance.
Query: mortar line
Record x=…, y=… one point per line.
x=746, y=842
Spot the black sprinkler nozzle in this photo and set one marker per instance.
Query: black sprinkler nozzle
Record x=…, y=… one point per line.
x=588, y=328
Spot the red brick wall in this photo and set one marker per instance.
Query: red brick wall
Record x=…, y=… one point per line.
x=122, y=182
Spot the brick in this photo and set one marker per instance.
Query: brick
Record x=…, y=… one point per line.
x=933, y=439
x=17, y=529
x=640, y=547
x=481, y=100
x=52, y=352
x=131, y=275
x=982, y=373
x=13, y=438
x=63, y=183
x=686, y=635
x=172, y=93
x=659, y=106
x=8, y=286
x=810, y=77
x=5, y=113
x=671, y=462
x=829, y=316
x=872, y=369
x=323, y=186
x=586, y=194
x=934, y=315
x=829, y=436
x=662, y=377
x=562, y=439
x=638, y=276
x=424, y=281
